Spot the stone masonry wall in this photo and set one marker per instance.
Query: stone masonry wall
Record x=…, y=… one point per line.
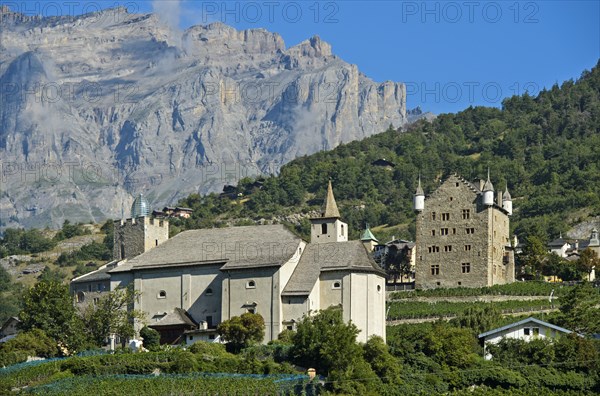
x=454, y=232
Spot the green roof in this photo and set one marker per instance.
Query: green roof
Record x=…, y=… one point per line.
x=368, y=236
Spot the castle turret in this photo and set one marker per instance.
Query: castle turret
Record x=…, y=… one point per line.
x=507, y=202
x=419, y=198
x=328, y=227
x=488, y=192
x=368, y=239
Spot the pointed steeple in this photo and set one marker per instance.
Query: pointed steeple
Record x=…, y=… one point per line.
x=419, y=198
x=331, y=209
x=506, y=196
x=419, y=188
x=488, y=186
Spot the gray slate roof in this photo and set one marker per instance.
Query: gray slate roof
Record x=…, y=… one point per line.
x=334, y=256
x=521, y=322
x=237, y=247
x=559, y=242
x=101, y=274
x=178, y=317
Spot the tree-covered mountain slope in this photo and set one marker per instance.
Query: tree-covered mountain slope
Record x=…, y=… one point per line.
x=546, y=149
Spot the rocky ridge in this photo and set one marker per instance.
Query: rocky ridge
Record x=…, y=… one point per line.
x=99, y=107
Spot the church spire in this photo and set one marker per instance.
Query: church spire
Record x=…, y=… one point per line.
x=331, y=209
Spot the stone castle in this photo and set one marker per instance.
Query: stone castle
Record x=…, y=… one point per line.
x=462, y=236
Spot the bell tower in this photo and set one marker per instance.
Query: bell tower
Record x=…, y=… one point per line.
x=328, y=227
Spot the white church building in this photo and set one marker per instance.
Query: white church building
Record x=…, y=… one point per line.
x=190, y=283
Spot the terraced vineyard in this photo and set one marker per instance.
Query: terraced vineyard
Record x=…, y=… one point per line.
x=420, y=309
x=530, y=288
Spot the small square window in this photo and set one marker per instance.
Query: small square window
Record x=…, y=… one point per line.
x=526, y=331
x=435, y=269
x=191, y=338
x=536, y=331
x=211, y=337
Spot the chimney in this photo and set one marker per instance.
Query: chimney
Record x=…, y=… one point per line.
x=481, y=184
x=499, y=198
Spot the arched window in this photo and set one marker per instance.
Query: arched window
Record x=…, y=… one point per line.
x=80, y=297
x=337, y=285
x=250, y=284
x=162, y=294
x=209, y=292
x=324, y=228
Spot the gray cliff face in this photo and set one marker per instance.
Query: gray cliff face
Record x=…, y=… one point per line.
x=98, y=107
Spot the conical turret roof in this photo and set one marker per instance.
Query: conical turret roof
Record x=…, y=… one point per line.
x=506, y=196
x=419, y=189
x=331, y=209
x=488, y=186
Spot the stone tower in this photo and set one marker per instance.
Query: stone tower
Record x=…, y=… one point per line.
x=139, y=233
x=328, y=227
x=462, y=238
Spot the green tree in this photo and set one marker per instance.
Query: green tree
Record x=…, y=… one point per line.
x=479, y=319
x=112, y=314
x=5, y=280
x=451, y=346
x=69, y=230
x=49, y=306
x=588, y=260
x=150, y=337
x=242, y=331
x=385, y=365
x=324, y=342
x=533, y=256
x=579, y=309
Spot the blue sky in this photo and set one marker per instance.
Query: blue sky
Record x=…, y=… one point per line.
x=451, y=54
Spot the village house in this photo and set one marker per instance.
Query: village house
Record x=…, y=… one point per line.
x=462, y=236
x=526, y=330
x=190, y=283
x=9, y=329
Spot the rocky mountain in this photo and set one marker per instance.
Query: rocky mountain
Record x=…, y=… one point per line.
x=98, y=107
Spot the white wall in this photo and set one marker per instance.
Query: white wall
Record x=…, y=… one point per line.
x=518, y=332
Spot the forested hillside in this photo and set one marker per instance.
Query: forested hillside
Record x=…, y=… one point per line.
x=545, y=148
